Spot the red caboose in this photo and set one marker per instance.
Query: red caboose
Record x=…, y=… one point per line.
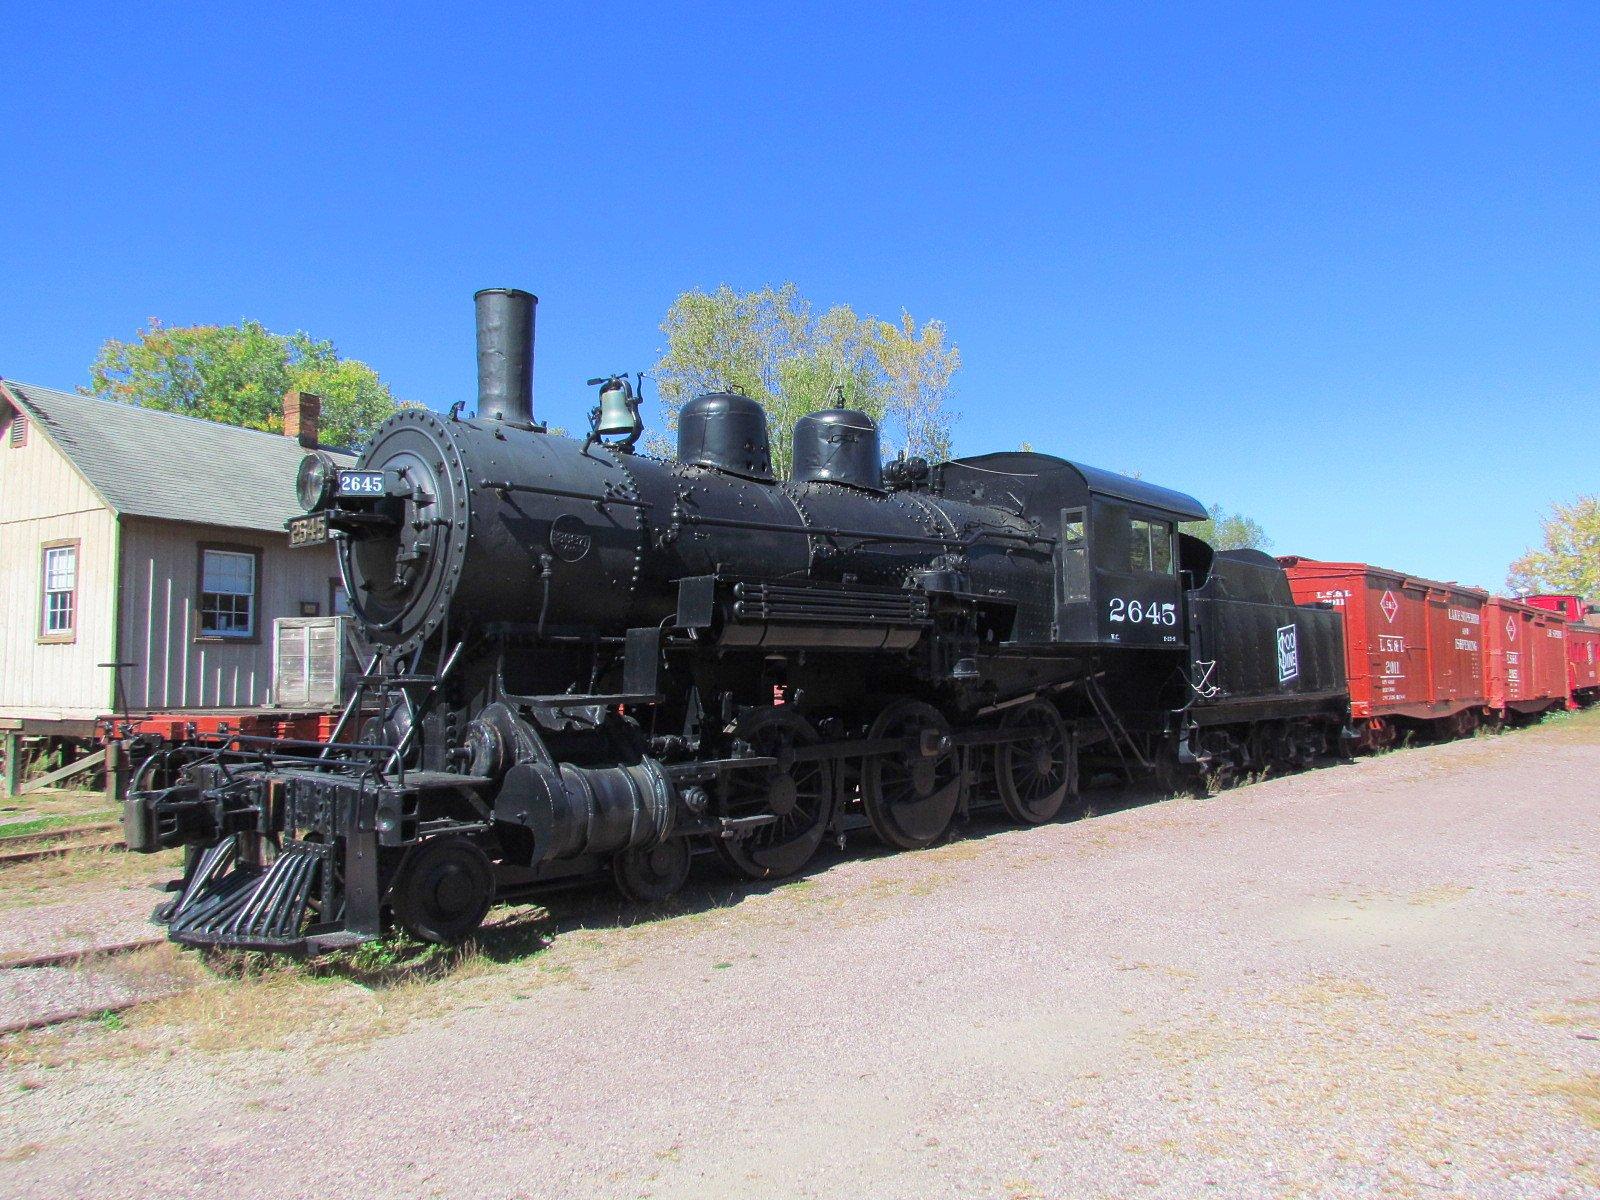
x=1413, y=647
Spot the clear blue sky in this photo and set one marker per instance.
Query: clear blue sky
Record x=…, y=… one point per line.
x=1338, y=271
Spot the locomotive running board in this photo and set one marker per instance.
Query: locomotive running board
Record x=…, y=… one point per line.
x=229, y=904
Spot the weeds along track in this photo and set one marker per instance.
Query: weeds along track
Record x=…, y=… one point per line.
x=52, y=845
x=57, y=1009
x=45, y=837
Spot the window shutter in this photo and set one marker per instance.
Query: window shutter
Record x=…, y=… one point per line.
x=19, y=429
x=290, y=676
x=322, y=663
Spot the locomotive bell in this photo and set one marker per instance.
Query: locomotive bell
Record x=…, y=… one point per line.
x=616, y=409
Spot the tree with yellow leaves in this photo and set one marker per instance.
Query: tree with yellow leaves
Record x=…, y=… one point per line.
x=772, y=346
x=1569, y=561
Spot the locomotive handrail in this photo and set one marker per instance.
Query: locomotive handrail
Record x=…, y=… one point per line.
x=565, y=493
x=921, y=539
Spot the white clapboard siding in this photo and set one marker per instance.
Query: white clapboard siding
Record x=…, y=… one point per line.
x=44, y=499
x=160, y=589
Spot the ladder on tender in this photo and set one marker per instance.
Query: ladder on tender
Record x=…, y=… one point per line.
x=1115, y=729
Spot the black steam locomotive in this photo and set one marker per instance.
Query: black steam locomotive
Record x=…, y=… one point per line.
x=586, y=660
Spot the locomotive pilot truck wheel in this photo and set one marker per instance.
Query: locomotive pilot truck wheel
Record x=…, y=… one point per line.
x=442, y=890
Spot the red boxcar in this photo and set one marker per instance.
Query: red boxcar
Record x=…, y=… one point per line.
x=1583, y=644
x=1525, y=657
x=1413, y=647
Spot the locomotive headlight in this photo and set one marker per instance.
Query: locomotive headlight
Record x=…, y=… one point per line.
x=314, y=482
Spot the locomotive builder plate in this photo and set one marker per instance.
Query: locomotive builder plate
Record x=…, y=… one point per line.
x=308, y=531
x=570, y=537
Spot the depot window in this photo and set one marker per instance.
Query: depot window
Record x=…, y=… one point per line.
x=230, y=580
x=1150, y=546
x=58, y=611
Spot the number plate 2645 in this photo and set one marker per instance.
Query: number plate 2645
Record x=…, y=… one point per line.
x=308, y=531
x=361, y=483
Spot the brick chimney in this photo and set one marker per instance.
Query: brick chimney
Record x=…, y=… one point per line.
x=301, y=412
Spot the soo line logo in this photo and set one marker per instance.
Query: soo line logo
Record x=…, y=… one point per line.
x=1288, y=653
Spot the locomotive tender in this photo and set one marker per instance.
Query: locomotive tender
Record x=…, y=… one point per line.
x=587, y=661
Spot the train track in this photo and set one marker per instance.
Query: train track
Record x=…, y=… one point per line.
x=81, y=955
x=61, y=958
x=52, y=849
x=45, y=836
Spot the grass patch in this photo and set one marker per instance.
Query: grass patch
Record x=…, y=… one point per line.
x=1583, y=1095
x=62, y=877
x=61, y=821
x=52, y=804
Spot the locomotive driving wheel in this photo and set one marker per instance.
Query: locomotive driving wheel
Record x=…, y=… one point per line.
x=798, y=793
x=1034, y=773
x=442, y=890
x=911, y=795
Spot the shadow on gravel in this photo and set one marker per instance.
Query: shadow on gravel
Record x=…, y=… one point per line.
x=526, y=925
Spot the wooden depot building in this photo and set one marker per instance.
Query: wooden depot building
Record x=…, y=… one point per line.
x=147, y=539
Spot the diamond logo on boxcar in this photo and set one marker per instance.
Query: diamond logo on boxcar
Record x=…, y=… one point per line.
x=1288, y=653
x=1511, y=629
x=1390, y=606
x=569, y=538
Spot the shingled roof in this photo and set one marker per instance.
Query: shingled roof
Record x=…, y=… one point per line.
x=149, y=463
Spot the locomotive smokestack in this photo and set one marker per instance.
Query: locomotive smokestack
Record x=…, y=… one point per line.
x=505, y=354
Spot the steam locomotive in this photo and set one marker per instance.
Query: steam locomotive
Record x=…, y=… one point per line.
x=586, y=661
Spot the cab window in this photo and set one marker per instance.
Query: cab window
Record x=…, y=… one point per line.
x=1161, y=547
x=1074, y=580
x=1150, y=546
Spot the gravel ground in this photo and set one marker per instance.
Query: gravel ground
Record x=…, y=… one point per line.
x=99, y=916
x=1380, y=979
x=55, y=915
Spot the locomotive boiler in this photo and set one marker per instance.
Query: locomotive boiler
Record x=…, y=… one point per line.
x=584, y=660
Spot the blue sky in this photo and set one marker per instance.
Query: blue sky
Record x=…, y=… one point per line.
x=1339, y=271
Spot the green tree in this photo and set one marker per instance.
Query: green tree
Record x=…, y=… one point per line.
x=1569, y=561
x=917, y=370
x=770, y=345
x=1230, y=531
x=238, y=374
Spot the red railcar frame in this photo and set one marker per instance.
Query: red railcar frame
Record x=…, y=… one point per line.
x=1583, y=644
x=1413, y=647
x=1525, y=657
x=220, y=724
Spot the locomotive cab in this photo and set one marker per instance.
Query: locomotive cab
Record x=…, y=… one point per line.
x=1116, y=544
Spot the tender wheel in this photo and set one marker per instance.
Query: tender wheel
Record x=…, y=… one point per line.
x=910, y=797
x=650, y=875
x=1035, y=775
x=442, y=890
x=799, y=793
